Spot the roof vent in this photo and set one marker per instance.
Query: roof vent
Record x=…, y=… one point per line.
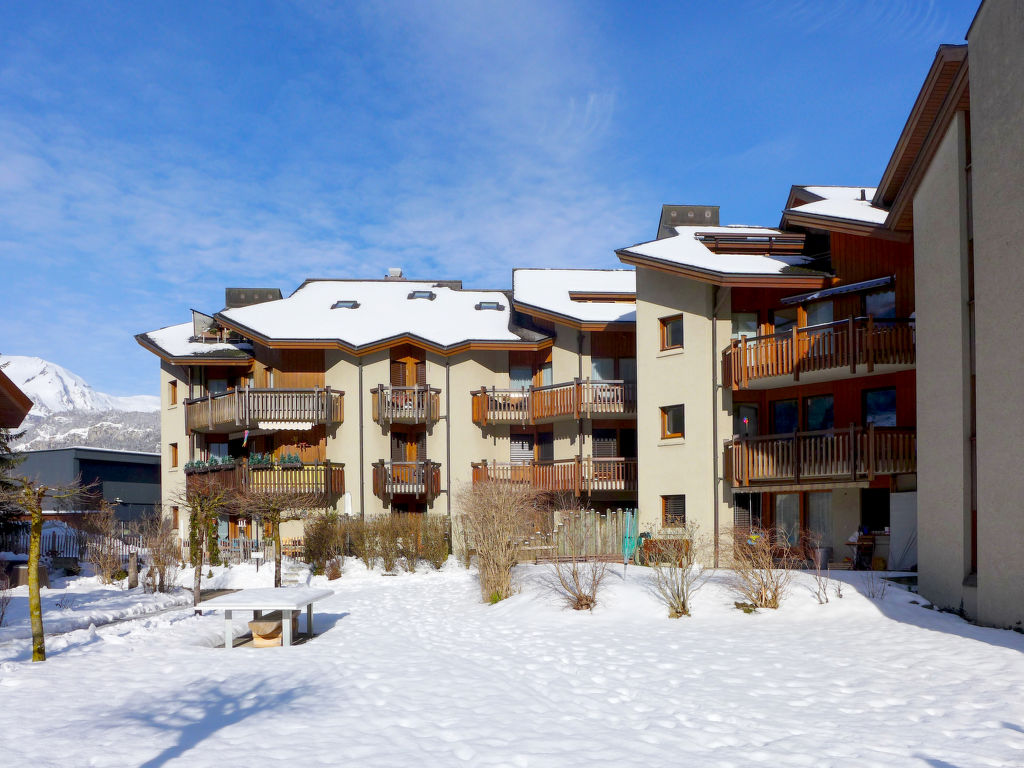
x=428, y=295
x=345, y=304
x=394, y=273
x=493, y=305
x=863, y=194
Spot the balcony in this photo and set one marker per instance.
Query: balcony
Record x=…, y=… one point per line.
x=834, y=456
x=859, y=345
x=578, y=399
x=421, y=479
x=264, y=409
x=579, y=476
x=405, y=405
x=326, y=480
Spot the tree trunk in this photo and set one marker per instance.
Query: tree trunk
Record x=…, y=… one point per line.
x=34, y=606
x=277, y=551
x=198, y=545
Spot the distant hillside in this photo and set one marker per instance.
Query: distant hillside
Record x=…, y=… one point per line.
x=67, y=411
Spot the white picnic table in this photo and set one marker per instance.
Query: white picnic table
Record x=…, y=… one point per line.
x=287, y=600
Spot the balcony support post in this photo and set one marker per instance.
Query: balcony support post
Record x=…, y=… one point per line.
x=743, y=360
x=853, y=452
x=869, y=344
x=851, y=344
x=871, y=450
x=795, y=355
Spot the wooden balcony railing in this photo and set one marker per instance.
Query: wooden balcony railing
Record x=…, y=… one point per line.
x=578, y=399
x=326, y=480
x=251, y=407
x=405, y=405
x=421, y=479
x=861, y=341
x=576, y=476
x=852, y=454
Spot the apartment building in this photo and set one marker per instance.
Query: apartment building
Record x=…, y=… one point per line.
x=391, y=395
x=776, y=373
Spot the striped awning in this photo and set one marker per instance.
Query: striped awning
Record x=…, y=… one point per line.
x=300, y=426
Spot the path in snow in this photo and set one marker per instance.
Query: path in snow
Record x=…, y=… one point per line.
x=413, y=670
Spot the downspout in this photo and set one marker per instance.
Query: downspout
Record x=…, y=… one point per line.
x=362, y=466
x=448, y=433
x=716, y=303
x=579, y=377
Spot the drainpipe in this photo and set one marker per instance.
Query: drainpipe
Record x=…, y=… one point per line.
x=448, y=433
x=716, y=304
x=579, y=377
x=362, y=475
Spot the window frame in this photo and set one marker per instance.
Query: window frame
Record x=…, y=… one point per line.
x=665, y=519
x=665, y=409
x=663, y=326
x=172, y=392
x=173, y=451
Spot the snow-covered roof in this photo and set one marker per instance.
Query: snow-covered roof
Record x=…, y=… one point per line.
x=842, y=203
x=552, y=291
x=686, y=250
x=358, y=313
x=176, y=341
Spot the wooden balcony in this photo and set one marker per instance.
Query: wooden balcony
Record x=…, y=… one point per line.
x=264, y=409
x=579, y=476
x=832, y=456
x=858, y=345
x=326, y=481
x=405, y=405
x=578, y=399
x=421, y=479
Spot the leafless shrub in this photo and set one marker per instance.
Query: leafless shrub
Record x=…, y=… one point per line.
x=678, y=569
x=497, y=518
x=435, y=540
x=819, y=571
x=333, y=568
x=5, y=596
x=66, y=602
x=763, y=564
x=578, y=574
x=104, y=547
x=363, y=542
x=838, y=584
x=874, y=584
x=387, y=533
x=323, y=537
x=161, y=542
x=409, y=529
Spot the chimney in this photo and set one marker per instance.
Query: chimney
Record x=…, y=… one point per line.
x=394, y=273
x=863, y=194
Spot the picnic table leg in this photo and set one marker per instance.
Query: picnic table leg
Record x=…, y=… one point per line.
x=309, y=621
x=286, y=627
x=228, y=635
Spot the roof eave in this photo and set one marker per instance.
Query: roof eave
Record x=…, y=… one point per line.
x=746, y=280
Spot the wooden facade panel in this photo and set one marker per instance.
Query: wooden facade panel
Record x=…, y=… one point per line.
x=613, y=344
x=855, y=259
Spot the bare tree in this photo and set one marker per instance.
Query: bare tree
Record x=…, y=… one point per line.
x=763, y=563
x=497, y=518
x=29, y=496
x=99, y=531
x=204, y=499
x=578, y=573
x=161, y=542
x=678, y=566
x=5, y=596
x=275, y=507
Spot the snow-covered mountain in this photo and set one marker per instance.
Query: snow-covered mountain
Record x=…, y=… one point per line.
x=54, y=389
x=67, y=411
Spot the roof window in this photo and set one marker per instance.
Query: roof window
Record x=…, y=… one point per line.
x=345, y=304
x=494, y=305
x=428, y=295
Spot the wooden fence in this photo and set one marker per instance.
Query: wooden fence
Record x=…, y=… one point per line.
x=606, y=534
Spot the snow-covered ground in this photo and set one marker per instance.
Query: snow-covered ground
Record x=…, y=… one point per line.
x=412, y=670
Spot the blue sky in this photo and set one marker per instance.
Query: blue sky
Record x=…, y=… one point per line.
x=153, y=153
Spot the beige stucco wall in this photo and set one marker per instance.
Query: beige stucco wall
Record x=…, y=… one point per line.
x=995, y=42
x=943, y=373
x=172, y=430
x=684, y=465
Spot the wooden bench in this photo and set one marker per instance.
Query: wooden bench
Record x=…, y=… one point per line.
x=267, y=630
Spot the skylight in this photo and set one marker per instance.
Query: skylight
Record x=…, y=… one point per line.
x=493, y=305
x=428, y=295
x=345, y=304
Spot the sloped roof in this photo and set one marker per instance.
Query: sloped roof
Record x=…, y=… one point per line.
x=839, y=203
x=14, y=404
x=176, y=344
x=576, y=294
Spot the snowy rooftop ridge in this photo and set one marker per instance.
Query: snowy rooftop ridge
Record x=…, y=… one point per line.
x=552, y=290
x=358, y=313
x=177, y=341
x=844, y=203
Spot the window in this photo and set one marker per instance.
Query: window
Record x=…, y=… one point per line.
x=172, y=393
x=672, y=421
x=345, y=304
x=602, y=368
x=428, y=295
x=217, y=386
x=492, y=305
x=880, y=407
x=744, y=419
x=174, y=517
x=787, y=518
x=744, y=324
x=819, y=519
x=220, y=450
x=819, y=412
x=784, y=319
x=627, y=368
x=673, y=511
x=785, y=417
x=880, y=305
x=173, y=454
x=819, y=313
x=672, y=332
x=520, y=377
